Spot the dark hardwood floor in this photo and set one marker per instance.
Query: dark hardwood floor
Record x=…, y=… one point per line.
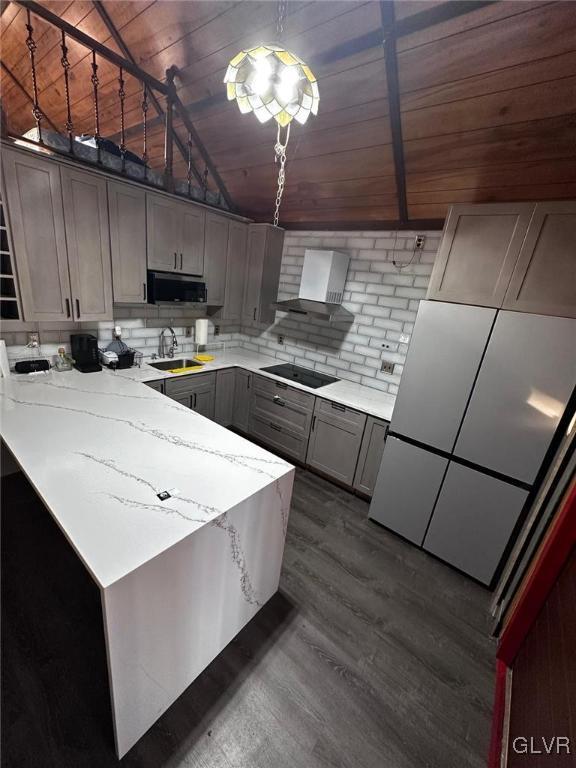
x=372, y=655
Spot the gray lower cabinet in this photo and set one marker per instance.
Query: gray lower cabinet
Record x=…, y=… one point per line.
x=157, y=385
x=242, y=394
x=286, y=406
x=406, y=489
x=225, y=386
x=473, y=520
x=127, y=212
x=370, y=456
x=197, y=392
x=335, y=440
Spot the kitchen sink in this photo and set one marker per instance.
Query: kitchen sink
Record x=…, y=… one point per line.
x=180, y=362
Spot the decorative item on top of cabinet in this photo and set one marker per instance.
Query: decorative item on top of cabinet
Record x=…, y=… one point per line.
x=175, y=235
x=478, y=251
x=215, y=257
x=127, y=211
x=33, y=194
x=335, y=440
x=236, y=266
x=544, y=278
x=225, y=385
x=265, y=243
x=242, y=393
x=370, y=455
x=88, y=241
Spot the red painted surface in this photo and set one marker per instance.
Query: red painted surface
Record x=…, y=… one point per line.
x=498, y=715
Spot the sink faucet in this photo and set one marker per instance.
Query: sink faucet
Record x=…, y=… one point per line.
x=173, y=346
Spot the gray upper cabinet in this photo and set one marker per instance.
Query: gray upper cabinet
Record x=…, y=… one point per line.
x=191, y=250
x=263, y=273
x=215, y=257
x=236, y=264
x=370, y=456
x=127, y=212
x=163, y=233
x=335, y=440
x=88, y=241
x=544, y=278
x=479, y=249
x=175, y=234
x=34, y=197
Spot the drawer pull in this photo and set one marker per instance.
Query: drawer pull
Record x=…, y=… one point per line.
x=338, y=407
x=68, y=308
x=313, y=422
x=276, y=427
x=278, y=400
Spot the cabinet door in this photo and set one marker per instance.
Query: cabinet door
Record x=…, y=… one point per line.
x=370, y=456
x=271, y=274
x=236, y=266
x=544, y=279
x=127, y=211
x=215, y=256
x=406, y=488
x=473, y=520
x=224, y=407
x=88, y=240
x=182, y=399
x=202, y=400
x=34, y=197
x=256, y=250
x=163, y=233
x=478, y=252
x=335, y=440
x=191, y=250
x=242, y=393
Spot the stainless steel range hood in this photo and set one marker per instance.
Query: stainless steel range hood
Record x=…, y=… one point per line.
x=321, y=287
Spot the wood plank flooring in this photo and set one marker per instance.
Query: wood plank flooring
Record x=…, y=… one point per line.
x=372, y=655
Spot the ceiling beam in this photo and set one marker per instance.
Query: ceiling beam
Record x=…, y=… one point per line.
x=412, y=224
x=94, y=45
x=117, y=37
x=393, y=88
x=23, y=90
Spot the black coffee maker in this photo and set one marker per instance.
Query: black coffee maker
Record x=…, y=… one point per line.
x=84, y=347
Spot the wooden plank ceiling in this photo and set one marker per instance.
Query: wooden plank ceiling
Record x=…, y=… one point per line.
x=487, y=100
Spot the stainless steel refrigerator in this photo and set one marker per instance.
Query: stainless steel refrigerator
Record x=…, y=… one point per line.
x=481, y=396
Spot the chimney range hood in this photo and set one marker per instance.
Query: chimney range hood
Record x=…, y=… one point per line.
x=321, y=286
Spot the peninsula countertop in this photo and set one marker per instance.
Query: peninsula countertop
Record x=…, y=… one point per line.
x=99, y=447
x=367, y=399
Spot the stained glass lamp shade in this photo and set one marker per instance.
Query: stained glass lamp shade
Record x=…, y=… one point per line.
x=273, y=83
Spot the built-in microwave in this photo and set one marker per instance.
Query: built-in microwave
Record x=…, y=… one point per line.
x=173, y=288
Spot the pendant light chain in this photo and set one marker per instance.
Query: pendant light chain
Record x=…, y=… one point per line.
x=280, y=19
x=280, y=150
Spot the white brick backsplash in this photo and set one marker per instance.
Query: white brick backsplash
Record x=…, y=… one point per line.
x=382, y=298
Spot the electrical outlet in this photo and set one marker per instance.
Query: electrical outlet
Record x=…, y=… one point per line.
x=216, y=330
x=387, y=366
x=188, y=330
x=280, y=338
x=419, y=242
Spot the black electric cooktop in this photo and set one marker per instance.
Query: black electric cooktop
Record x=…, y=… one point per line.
x=304, y=376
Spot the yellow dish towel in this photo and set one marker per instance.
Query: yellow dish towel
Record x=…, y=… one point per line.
x=202, y=358
x=187, y=369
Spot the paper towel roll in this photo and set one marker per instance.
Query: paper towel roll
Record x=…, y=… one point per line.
x=201, y=331
x=4, y=364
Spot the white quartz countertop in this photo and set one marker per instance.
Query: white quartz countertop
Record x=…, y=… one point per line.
x=367, y=399
x=98, y=447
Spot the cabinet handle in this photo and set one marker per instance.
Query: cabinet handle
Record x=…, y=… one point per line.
x=281, y=385
x=278, y=400
x=175, y=260
x=194, y=406
x=181, y=262
x=247, y=382
x=78, y=308
x=68, y=314
x=338, y=407
x=254, y=314
x=144, y=290
x=313, y=422
x=276, y=427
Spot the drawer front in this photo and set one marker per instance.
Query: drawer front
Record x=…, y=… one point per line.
x=189, y=383
x=276, y=408
x=293, y=396
x=274, y=436
x=347, y=417
x=157, y=385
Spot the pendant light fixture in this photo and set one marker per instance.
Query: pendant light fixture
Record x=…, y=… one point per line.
x=276, y=84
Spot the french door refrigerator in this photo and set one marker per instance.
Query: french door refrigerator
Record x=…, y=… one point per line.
x=481, y=395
